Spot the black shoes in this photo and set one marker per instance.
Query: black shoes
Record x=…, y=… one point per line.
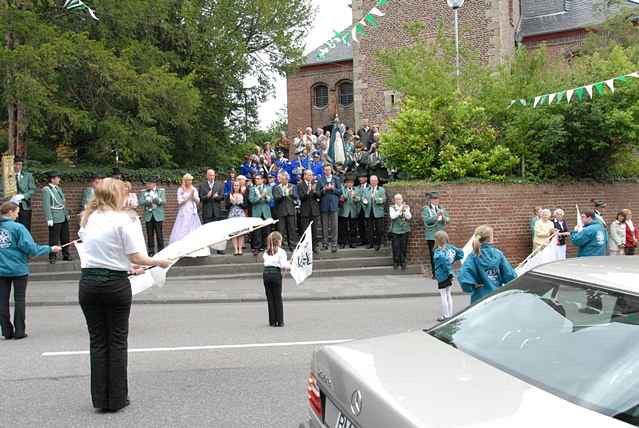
x=395, y=266
x=67, y=259
x=52, y=261
x=334, y=249
x=377, y=248
x=277, y=324
x=20, y=337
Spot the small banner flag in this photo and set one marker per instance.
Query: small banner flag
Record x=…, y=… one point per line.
x=468, y=248
x=548, y=253
x=79, y=6
x=302, y=258
x=580, y=224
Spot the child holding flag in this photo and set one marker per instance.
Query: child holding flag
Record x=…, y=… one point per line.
x=444, y=256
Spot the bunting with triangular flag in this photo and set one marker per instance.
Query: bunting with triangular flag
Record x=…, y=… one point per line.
x=77, y=6
x=580, y=93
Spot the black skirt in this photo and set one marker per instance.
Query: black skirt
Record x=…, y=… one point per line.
x=445, y=283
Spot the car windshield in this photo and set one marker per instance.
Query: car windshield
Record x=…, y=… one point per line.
x=576, y=341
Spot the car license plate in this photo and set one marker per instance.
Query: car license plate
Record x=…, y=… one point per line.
x=343, y=422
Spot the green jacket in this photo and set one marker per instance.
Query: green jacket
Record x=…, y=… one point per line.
x=400, y=222
x=26, y=187
x=54, y=204
x=378, y=201
x=260, y=206
x=86, y=196
x=153, y=205
x=431, y=224
x=360, y=197
x=349, y=208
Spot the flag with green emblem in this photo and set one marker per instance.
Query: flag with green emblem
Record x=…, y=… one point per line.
x=79, y=6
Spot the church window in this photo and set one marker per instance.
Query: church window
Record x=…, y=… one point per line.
x=346, y=93
x=320, y=96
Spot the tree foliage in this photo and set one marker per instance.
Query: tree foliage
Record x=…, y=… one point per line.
x=165, y=82
x=446, y=132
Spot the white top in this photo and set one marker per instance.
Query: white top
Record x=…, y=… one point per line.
x=278, y=260
x=395, y=210
x=108, y=238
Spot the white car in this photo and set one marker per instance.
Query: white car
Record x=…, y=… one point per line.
x=556, y=348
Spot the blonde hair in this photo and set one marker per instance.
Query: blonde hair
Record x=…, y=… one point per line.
x=273, y=243
x=107, y=196
x=483, y=234
x=441, y=238
x=627, y=212
x=559, y=211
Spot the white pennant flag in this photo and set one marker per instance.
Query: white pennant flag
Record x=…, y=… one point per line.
x=569, y=94
x=580, y=224
x=547, y=254
x=611, y=84
x=468, y=248
x=536, y=101
x=635, y=75
x=302, y=259
x=551, y=98
x=589, y=90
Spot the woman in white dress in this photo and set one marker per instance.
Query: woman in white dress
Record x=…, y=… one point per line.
x=187, y=219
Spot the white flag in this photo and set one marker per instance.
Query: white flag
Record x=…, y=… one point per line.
x=468, y=248
x=546, y=255
x=580, y=224
x=302, y=259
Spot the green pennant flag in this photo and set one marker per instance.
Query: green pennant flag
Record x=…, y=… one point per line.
x=371, y=20
x=79, y=6
x=382, y=2
x=560, y=96
x=580, y=92
x=599, y=87
x=621, y=78
x=543, y=100
x=359, y=29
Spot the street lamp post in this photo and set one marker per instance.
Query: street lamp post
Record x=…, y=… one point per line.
x=455, y=5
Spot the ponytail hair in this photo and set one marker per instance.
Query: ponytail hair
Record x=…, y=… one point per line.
x=483, y=234
x=441, y=238
x=273, y=243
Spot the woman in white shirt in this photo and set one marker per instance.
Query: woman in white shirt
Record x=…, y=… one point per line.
x=274, y=261
x=111, y=243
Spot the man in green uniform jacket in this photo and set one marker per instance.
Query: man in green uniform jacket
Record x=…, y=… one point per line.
x=57, y=216
x=348, y=214
x=363, y=210
x=260, y=197
x=435, y=219
x=153, y=200
x=376, y=198
x=26, y=190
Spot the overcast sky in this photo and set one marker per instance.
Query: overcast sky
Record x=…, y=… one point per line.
x=331, y=15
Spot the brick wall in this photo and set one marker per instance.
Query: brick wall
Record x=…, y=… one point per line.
x=301, y=112
x=508, y=209
x=557, y=43
x=487, y=26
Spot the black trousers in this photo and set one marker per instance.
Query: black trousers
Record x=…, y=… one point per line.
x=258, y=238
x=273, y=289
x=154, y=234
x=59, y=235
x=375, y=230
x=106, y=307
x=347, y=231
x=305, y=221
x=362, y=223
x=431, y=253
x=19, y=294
x=629, y=251
x=287, y=226
x=400, y=247
x=24, y=218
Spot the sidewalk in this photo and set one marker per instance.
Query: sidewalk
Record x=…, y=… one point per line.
x=200, y=290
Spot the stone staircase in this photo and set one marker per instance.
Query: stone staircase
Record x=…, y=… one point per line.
x=346, y=262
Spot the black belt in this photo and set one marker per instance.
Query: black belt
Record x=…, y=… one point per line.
x=102, y=275
x=271, y=269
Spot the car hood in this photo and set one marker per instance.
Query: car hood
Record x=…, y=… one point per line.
x=415, y=380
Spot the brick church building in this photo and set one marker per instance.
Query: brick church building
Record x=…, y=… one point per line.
x=348, y=80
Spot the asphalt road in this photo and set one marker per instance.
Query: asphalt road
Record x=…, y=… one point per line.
x=246, y=386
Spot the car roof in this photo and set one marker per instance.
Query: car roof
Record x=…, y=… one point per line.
x=619, y=272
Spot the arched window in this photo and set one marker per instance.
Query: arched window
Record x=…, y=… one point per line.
x=345, y=93
x=320, y=96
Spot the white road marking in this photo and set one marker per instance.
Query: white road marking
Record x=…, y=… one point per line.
x=209, y=347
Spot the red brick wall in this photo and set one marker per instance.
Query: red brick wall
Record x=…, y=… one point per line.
x=301, y=112
x=557, y=43
x=508, y=209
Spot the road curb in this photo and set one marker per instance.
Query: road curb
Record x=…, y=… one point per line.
x=256, y=299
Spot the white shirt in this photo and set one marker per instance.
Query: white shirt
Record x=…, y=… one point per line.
x=278, y=260
x=108, y=238
x=395, y=210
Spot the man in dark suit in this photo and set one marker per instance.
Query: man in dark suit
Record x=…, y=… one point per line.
x=330, y=192
x=365, y=134
x=26, y=188
x=211, y=195
x=309, y=195
x=285, y=195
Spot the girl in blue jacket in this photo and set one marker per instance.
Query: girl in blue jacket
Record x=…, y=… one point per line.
x=443, y=258
x=486, y=268
x=16, y=245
